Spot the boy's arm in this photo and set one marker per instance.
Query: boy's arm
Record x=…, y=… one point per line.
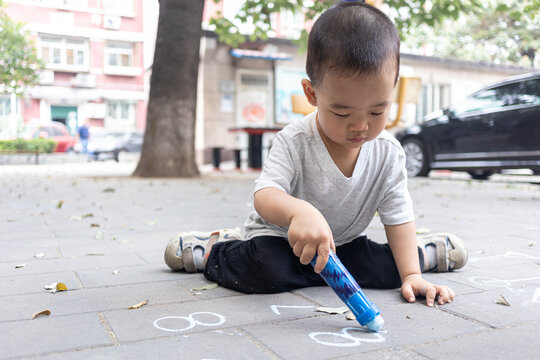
x=308, y=233
x=404, y=246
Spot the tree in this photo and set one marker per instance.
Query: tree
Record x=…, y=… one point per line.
x=19, y=64
x=169, y=141
x=504, y=31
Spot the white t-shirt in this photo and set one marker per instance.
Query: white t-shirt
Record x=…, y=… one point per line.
x=300, y=165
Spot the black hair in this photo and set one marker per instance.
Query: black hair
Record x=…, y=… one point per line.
x=351, y=38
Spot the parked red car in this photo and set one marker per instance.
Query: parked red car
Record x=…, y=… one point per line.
x=55, y=131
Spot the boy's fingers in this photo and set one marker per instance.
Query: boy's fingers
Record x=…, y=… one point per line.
x=308, y=253
x=322, y=259
x=444, y=297
x=297, y=249
x=430, y=295
x=408, y=293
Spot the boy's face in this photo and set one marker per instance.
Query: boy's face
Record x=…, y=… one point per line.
x=352, y=110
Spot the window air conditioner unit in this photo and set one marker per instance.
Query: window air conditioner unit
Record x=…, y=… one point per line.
x=84, y=80
x=112, y=22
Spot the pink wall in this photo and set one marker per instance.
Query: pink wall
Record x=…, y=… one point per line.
x=211, y=8
x=30, y=109
x=140, y=114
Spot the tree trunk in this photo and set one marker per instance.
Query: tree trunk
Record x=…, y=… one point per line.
x=169, y=140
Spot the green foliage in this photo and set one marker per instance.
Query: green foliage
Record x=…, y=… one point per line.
x=503, y=31
x=406, y=14
x=19, y=64
x=27, y=146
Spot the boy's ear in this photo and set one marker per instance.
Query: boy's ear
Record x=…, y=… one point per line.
x=309, y=91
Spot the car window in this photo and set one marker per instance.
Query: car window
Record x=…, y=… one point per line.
x=528, y=92
x=55, y=132
x=519, y=93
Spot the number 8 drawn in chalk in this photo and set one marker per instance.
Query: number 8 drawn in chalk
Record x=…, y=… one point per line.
x=344, y=333
x=191, y=320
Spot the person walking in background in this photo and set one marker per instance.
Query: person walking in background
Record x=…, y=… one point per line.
x=84, y=134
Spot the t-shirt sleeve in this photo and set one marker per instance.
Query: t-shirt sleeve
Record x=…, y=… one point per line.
x=396, y=205
x=278, y=169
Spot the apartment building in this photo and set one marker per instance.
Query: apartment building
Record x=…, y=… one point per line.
x=93, y=55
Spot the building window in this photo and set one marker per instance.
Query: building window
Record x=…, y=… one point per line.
x=119, y=54
x=62, y=53
x=66, y=3
x=5, y=106
x=120, y=111
x=118, y=6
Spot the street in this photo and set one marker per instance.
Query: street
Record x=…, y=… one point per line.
x=102, y=233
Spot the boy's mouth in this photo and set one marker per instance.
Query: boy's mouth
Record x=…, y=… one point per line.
x=357, y=139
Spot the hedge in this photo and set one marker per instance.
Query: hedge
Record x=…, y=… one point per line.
x=27, y=146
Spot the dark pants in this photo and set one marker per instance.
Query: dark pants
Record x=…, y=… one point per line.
x=266, y=264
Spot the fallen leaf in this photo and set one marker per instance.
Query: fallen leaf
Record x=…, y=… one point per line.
x=206, y=287
x=138, y=305
x=350, y=316
x=116, y=272
x=61, y=287
x=423, y=230
x=99, y=235
x=329, y=310
x=95, y=254
x=75, y=218
x=95, y=225
x=59, y=205
x=39, y=255
x=531, y=244
x=41, y=313
x=88, y=215
x=108, y=190
x=502, y=301
x=409, y=317
x=18, y=266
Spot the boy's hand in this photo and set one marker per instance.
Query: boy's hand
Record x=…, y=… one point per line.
x=414, y=285
x=309, y=234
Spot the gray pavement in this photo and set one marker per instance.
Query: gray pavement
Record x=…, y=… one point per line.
x=102, y=233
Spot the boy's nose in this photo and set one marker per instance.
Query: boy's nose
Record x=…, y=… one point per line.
x=359, y=124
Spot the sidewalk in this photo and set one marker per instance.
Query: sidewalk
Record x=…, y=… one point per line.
x=103, y=236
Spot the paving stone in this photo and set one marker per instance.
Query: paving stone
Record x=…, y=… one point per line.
x=227, y=344
x=387, y=354
x=192, y=283
x=128, y=275
x=51, y=334
x=99, y=260
x=524, y=305
x=132, y=325
x=519, y=342
x=35, y=283
x=21, y=307
x=330, y=336
x=498, y=221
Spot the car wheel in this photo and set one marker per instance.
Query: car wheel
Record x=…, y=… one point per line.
x=480, y=174
x=416, y=158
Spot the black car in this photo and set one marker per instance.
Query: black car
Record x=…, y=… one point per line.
x=495, y=128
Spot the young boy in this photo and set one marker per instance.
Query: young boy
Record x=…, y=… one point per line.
x=325, y=178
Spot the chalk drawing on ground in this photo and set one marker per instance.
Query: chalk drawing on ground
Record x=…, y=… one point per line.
x=190, y=321
x=345, y=338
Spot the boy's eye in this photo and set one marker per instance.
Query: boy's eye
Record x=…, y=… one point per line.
x=341, y=115
x=377, y=114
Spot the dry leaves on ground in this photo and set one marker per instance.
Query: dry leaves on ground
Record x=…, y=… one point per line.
x=41, y=313
x=136, y=306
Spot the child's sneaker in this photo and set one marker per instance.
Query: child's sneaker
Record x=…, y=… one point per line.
x=187, y=250
x=450, y=252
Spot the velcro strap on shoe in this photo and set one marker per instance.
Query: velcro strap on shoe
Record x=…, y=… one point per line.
x=442, y=259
